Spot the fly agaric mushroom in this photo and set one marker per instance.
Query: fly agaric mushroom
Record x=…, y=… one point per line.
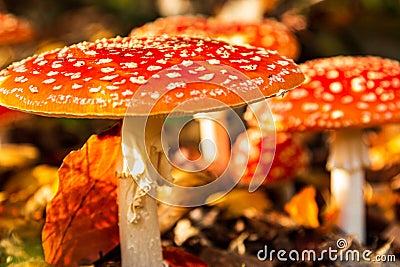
x=267, y=33
x=14, y=30
x=343, y=94
x=108, y=78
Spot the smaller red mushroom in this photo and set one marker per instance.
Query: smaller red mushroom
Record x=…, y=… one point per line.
x=254, y=158
x=344, y=94
x=274, y=167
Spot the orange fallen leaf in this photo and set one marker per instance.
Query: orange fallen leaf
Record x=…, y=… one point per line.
x=82, y=218
x=303, y=208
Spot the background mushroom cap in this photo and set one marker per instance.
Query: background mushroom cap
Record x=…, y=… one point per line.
x=268, y=33
x=14, y=30
x=99, y=79
x=193, y=25
x=287, y=151
x=341, y=92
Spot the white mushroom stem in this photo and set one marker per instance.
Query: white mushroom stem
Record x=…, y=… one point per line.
x=174, y=7
x=138, y=220
x=242, y=10
x=215, y=143
x=347, y=159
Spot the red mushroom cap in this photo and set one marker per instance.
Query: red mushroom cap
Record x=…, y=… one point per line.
x=341, y=92
x=99, y=79
x=268, y=33
x=14, y=30
x=194, y=25
x=287, y=151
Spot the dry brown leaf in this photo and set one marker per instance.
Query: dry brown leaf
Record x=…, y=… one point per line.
x=82, y=218
x=303, y=208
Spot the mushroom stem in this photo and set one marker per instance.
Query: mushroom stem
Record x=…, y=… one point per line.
x=138, y=220
x=139, y=240
x=347, y=159
x=215, y=143
x=242, y=10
